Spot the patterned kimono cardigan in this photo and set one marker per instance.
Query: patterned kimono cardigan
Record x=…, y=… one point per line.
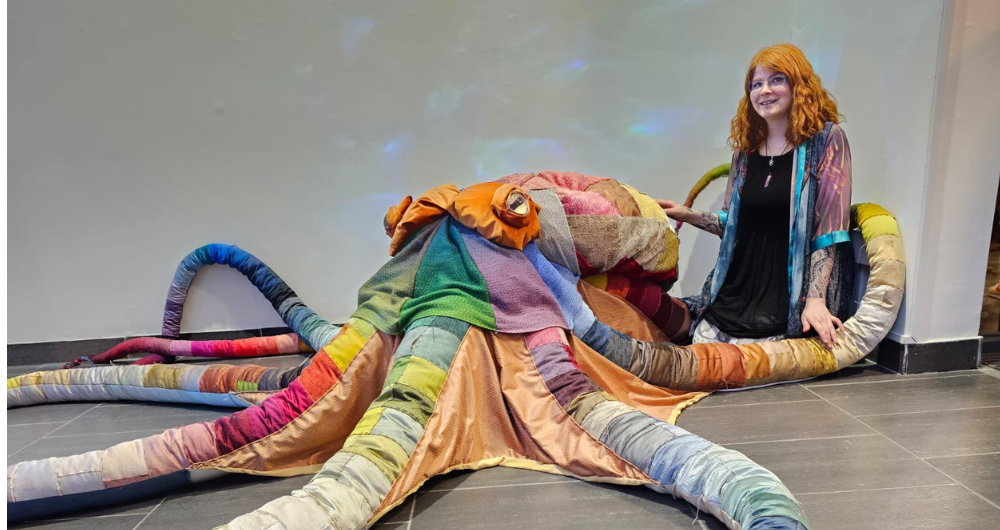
x=820, y=214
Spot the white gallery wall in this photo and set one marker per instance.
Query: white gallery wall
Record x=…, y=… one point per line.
x=140, y=130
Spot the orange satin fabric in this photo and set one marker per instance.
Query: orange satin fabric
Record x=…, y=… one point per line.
x=661, y=403
x=414, y=216
x=496, y=403
x=320, y=431
x=619, y=313
x=483, y=207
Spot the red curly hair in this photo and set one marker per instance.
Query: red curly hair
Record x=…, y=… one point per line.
x=812, y=105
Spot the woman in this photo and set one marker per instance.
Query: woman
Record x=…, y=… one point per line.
x=785, y=264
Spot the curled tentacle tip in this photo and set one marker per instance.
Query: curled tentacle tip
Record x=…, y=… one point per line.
x=76, y=362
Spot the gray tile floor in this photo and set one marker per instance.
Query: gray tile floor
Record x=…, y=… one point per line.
x=862, y=449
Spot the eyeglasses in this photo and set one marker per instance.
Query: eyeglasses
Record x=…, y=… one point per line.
x=776, y=80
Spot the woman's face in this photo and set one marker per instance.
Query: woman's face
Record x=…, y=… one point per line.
x=770, y=93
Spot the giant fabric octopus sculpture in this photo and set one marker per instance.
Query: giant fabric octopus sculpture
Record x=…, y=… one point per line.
x=476, y=345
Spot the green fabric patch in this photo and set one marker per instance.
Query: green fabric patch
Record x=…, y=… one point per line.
x=398, y=368
x=246, y=386
x=407, y=400
x=385, y=453
x=424, y=376
x=448, y=283
x=382, y=297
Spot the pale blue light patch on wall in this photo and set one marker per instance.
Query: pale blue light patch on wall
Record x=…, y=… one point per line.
x=395, y=147
x=503, y=156
x=443, y=102
x=354, y=30
x=570, y=71
x=392, y=156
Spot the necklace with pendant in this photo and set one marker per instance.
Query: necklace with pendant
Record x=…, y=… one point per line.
x=770, y=163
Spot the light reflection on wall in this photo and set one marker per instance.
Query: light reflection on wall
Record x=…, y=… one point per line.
x=333, y=110
x=496, y=158
x=354, y=30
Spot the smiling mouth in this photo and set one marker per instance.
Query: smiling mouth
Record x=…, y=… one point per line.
x=768, y=103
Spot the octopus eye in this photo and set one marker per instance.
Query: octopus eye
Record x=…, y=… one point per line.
x=517, y=203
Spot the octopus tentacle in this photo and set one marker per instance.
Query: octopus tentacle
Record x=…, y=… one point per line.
x=277, y=436
x=722, y=170
x=315, y=331
x=220, y=385
x=715, y=366
x=305, y=323
x=165, y=350
x=723, y=482
x=351, y=485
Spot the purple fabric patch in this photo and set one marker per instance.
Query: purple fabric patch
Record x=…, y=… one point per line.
x=551, y=360
x=521, y=301
x=567, y=386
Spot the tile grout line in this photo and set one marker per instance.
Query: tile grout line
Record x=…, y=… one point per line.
x=137, y=525
x=413, y=508
x=960, y=456
x=53, y=430
x=880, y=489
x=927, y=411
x=755, y=404
x=470, y=488
x=801, y=439
x=951, y=478
x=47, y=437
x=36, y=423
x=87, y=517
x=901, y=379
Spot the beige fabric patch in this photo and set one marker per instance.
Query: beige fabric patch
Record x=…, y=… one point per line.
x=886, y=247
x=124, y=461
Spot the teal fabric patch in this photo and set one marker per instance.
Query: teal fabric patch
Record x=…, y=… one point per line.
x=825, y=240
x=431, y=343
x=754, y=497
x=449, y=284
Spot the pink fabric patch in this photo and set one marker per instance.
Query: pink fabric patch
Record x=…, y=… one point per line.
x=287, y=343
x=254, y=423
x=544, y=336
x=298, y=399
x=285, y=406
x=180, y=347
x=551, y=179
x=164, y=453
x=201, y=348
x=587, y=203
x=198, y=442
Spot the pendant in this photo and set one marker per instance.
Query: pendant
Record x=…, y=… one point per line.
x=771, y=163
x=767, y=180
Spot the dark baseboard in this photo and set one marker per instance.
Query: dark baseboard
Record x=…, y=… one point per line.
x=941, y=356
x=991, y=349
x=65, y=351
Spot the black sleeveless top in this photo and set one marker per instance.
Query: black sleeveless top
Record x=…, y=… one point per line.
x=753, y=299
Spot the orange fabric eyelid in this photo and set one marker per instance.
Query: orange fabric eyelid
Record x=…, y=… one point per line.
x=483, y=207
x=395, y=214
x=411, y=215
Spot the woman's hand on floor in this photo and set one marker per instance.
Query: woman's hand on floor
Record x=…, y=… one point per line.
x=816, y=316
